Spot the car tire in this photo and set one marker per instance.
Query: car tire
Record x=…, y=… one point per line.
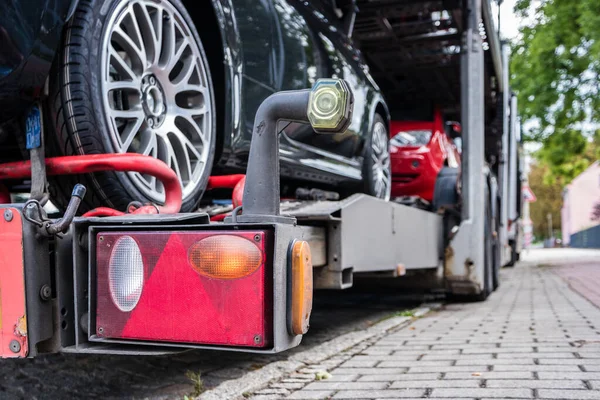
x=377, y=173
x=124, y=82
x=496, y=248
x=514, y=256
x=488, y=252
x=445, y=193
x=446, y=200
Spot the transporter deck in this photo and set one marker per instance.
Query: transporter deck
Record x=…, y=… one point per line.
x=364, y=234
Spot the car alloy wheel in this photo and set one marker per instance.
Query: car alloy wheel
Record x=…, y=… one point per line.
x=156, y=92
x=380, y=155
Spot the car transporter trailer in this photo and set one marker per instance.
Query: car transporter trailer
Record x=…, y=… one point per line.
x=153, y=280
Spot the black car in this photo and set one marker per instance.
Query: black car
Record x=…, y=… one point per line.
x=181, y=80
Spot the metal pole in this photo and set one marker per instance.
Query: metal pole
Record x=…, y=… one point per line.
x=261, y=191
x=499, y=14
x=504, y=158
x=513, y=167
x=472, y=115
x=467, y=246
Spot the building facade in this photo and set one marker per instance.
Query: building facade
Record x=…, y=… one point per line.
x=579, y=229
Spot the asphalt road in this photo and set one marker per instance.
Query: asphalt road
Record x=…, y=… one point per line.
x=67, y=376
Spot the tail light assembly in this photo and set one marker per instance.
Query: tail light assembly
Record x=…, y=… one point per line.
x=211, y=286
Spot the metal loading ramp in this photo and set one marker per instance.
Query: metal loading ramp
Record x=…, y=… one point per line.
x=414, y=48
x=364, y=234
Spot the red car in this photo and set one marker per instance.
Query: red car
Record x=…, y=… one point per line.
x=419, y=150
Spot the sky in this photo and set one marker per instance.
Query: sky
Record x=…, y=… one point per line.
x=508, y=21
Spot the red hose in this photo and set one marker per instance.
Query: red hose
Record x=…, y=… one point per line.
x=104, y=212
x=219, y=217
x=127, y=162
x=238, y=192
x=235, y=182
x=224, y=181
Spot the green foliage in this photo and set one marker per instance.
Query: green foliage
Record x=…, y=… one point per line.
x=406, y=313
x=549, y=199
x=554, y=71
x=196, y=379
x=567, y=155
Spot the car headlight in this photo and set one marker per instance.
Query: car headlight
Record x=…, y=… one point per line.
x=330, y=106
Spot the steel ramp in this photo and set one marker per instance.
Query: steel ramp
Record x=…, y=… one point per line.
x=365, y=234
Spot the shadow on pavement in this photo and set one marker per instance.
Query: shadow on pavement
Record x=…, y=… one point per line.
x=67, y=376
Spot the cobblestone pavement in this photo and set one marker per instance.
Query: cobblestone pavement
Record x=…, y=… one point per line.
x=533, y=338
x=583, y=279
x=65, y=376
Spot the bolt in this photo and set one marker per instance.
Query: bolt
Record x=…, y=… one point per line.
x=45, y=292
x=8, y=215
x=152, y=80
x=100, y=330
x=257, y=339
x=15, y=346
x=257, y=238
x=101, y=238
x=150, y=122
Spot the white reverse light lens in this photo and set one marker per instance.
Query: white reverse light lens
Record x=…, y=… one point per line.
x=126, y=273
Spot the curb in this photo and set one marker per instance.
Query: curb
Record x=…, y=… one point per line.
x=255, y=380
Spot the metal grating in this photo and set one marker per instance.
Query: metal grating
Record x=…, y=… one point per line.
x=413, y=50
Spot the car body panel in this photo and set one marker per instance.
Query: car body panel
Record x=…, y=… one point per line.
x=233, y=76
x=30, y=32
x=306, y=44
x=415, y=168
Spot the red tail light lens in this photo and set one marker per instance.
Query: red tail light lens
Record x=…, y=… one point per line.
x=183, y=287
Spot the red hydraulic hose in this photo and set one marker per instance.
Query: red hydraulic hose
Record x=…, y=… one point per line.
x=238, y=192
x=224, y=181
x=235, y=182
x=127, y=162
x=104, y=212
x=219, y=217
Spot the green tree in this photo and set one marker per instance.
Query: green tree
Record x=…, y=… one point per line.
x=549, y=199
x=568, y=154
x=555, y=71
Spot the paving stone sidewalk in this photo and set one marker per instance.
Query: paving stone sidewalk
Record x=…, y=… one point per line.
x=534, y=338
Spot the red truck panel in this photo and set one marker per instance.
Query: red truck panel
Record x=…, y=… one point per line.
x=13, y=322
